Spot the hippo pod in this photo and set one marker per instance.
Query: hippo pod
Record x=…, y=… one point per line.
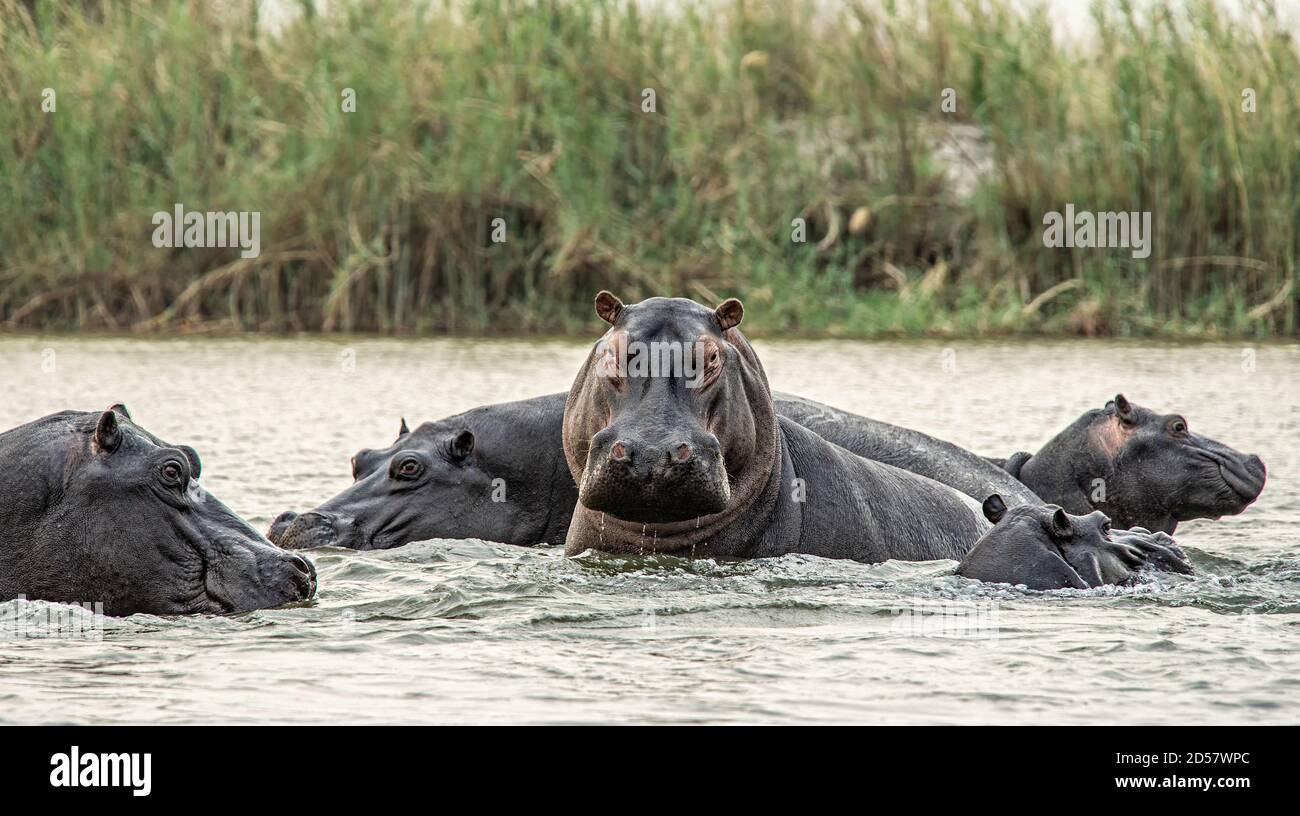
x=1141, y=468
x=498, y=472
x=97, y=510
x=1043, y=547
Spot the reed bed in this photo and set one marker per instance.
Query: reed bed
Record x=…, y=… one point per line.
x=920, y=220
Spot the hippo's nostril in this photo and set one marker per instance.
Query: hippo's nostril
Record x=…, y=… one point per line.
x=304, y=576
x=302, y=565
x=683, y=453
x=619, y=452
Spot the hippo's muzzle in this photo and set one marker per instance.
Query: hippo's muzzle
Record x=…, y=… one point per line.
x=669, y=480
x=301, y=581
x=1245, y=476
x=246, y=573
x=280, y=526
x=311, y=530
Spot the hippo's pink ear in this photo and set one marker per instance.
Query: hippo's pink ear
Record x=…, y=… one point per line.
x=729, y=313
x=608, y=306
x=107, y=435
x=121, y=409
x=994, y=508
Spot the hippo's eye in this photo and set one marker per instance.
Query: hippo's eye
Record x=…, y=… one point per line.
x=1178, y=427
x=408, y=469
x=712, y=362
x=172, y=472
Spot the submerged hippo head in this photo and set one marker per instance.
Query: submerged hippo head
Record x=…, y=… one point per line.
x=493, y=473
x=414, y=489
x=97, y=509
x=1044, y=547
x=1141, y=468
x=648, y=415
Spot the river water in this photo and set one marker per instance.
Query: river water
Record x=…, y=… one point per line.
x=475, y=632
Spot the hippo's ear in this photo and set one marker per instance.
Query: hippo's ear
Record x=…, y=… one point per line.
x=994, y=508
x=1062, y=527
x=729, y=313
x=403, y=431
x=1123, y=408
x=121, y=409
x=107, y=435
x=463, y=444
x=608, y=306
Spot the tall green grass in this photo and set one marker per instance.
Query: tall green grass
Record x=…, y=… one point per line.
x=919, y=220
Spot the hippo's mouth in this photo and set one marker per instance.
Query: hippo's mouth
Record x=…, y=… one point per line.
x=643, y=500
x=1244, y=484
x=233, y=582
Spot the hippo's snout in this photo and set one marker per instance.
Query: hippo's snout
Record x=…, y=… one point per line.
x=1245, y=476
x=281, y=525
x=301, y=577
x=310, y=530
x=668, y=479
x=248, y=572
x=285, y=577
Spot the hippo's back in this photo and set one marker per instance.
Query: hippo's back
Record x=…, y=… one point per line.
x=907, y=449
x=870, y=511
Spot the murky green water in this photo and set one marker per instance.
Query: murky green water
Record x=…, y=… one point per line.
x=468, y=631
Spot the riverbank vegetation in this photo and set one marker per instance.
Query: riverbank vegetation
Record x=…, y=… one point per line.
x=921, y=143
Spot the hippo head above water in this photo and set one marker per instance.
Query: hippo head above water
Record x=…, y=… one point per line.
x=98, y=510
x=1043, y=547
x=662, y=425
x=385, y=506
x=1141, y=468
x=651, y=409
x=494, y=473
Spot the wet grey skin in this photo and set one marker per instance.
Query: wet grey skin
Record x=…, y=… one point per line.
x=438, y=481
x=96, y=509
x=1043, y=547
x=496, y=472
x=919, y=453
x=1140, y=468
x=703, y=467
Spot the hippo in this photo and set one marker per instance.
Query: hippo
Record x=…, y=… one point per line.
x=498, y=472
x=690, y=457
x=1140, y=468
x=1043, y=547
x=98, y=510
